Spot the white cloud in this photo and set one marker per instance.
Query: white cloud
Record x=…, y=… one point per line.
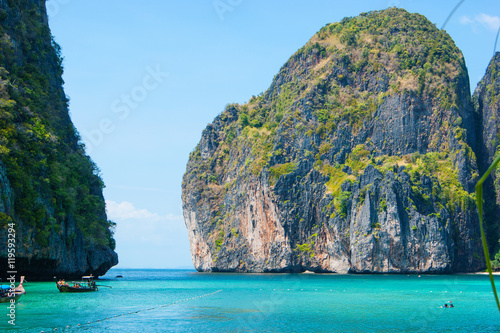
x=135, y=188
x=466, y=20
x=145, y=239
x=141, y=225
x=126, y=210
x=489, y=22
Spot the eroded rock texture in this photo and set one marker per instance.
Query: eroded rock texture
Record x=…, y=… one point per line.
x=50, y=191
x=360, y=157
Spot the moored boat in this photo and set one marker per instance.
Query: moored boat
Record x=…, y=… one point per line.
x=87, y=284
x=7, y=294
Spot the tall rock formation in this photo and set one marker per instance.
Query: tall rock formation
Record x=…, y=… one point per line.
x=487, y=105
x=358, y=158
x=50, y=191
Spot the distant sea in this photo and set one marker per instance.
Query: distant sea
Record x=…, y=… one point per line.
x=187, y=301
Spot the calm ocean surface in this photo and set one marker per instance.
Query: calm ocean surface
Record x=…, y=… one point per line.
x=186, y=301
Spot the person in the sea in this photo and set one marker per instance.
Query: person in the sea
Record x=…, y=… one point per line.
x=448, y=304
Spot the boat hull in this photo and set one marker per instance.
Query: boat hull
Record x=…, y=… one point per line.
x=69, y=289
x=86, y=285
x=7, y=299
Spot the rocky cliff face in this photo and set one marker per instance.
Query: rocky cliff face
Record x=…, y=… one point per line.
x=486, y=100
x=358, y=158
x=49, y=189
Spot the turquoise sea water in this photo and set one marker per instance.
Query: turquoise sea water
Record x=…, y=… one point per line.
x=187, y=301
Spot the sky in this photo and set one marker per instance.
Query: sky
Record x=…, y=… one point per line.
x=145, y=78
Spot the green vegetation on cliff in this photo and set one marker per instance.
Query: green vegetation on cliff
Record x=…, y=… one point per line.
x=52, y=180
x=343, y=75
x=367, y=129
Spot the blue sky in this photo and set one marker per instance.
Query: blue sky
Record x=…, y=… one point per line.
x=145, y=78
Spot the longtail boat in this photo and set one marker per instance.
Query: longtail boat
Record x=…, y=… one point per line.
x=86, y=285
x=7, y=294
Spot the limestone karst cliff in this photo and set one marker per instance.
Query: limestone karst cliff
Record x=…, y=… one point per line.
x=360, y=157
x=486, y=100
x=50, y=191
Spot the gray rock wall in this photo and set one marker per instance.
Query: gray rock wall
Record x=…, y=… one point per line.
x=359, y=158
